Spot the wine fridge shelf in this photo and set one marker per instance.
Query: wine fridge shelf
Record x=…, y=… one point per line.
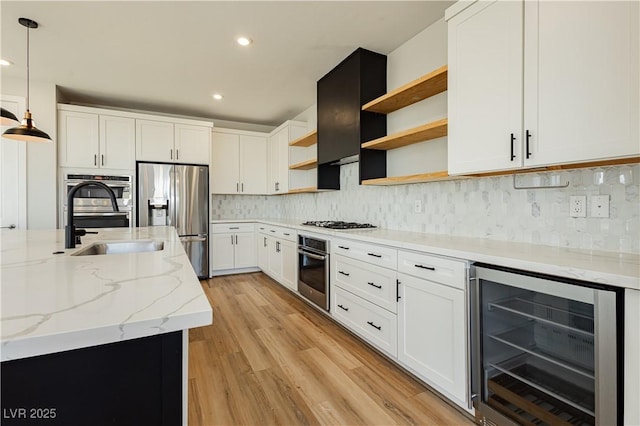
x=541, y=376
x=572, y=321
x=562, y=348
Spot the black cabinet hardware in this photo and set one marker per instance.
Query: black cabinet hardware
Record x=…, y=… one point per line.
x=231, y=239
x=374, y=255
x=398, y=290
x=171, y=154
x=236, y=239
x=286, y=233
x=271, y=230
x=343, y=308
x=177, y=154
x=95, y=160
x=234, y=227
x=343, y=273
x=373, y=285
x=102, y=159
x=528, y=136
x=513, y=139
x=377, y=327
x=264, y=244
x=430, y=268
x=343, y=247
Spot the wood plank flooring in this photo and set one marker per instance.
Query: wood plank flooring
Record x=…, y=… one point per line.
x=271, y=359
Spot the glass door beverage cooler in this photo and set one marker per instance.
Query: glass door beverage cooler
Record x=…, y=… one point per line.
x=547, y=350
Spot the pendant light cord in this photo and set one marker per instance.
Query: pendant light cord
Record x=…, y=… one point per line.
x=28, y=28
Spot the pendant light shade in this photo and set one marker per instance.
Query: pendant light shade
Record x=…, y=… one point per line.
x=8, y=118
x=26, y=131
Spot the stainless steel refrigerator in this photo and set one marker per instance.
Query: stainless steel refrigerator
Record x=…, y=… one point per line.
x=177, y=195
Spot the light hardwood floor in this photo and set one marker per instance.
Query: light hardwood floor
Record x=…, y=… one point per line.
x=271, y=359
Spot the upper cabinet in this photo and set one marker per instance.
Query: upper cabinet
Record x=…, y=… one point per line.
x=238, y=162
x=171, y=142
x=278, y=163
x=542, y=83
x=342, y=124
x=91, y=140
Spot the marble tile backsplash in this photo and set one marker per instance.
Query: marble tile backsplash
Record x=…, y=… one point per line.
x=481, y=207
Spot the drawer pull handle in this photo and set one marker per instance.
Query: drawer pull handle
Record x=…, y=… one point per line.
x=234, y=227
x=271, y=230
x=286, y=233
x=343, y=308
x=430, y=268
x=373, y=285
x=374, y=255
x=343, y=273
x=377, y=327
x=343, y=247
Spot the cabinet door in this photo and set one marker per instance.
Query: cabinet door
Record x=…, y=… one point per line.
x=485, y=87
x=283, y=161
x=289, y=264
x=274, y=259
x=222, y=251
x=263, y=252
x=78, y=133
x=192, y=144
x=117, y=142
x=225, y=163
x=253, y=164
x=246, y=255
x=154, y=141
x=581, y=81
x=432, y=334
x=273, y=165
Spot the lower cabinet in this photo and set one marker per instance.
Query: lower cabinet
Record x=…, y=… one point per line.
x=289, y=251
x=233, y=247
x=263, y=252
x=277, y=254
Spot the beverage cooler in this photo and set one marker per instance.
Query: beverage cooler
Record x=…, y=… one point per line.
x=546, y=350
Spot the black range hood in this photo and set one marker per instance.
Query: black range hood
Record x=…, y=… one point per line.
x=342, y=125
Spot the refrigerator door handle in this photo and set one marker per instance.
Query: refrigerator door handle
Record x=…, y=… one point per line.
x=193, y=238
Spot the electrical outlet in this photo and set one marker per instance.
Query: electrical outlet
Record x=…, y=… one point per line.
x=600, y=206
x=578, y=206
x=417, y=206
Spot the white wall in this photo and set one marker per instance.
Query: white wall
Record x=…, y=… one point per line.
x=41, y=158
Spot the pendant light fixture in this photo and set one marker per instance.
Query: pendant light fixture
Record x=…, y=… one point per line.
x=26, y=131
x=8, y=118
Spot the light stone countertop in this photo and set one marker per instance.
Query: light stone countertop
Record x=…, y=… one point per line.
x=616, y=269
x=57, y=302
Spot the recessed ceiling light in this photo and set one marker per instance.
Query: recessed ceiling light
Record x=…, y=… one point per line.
x=217, y=96
x=244, y=41
x=5, y=63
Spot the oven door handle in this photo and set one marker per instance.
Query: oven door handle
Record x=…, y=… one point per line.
x=311, y=255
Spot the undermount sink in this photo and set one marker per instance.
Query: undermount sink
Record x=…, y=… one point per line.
x=120, y=247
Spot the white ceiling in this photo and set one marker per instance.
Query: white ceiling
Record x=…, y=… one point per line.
x=171, y=56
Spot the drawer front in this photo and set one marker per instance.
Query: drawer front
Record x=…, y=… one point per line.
x=278, y=232
x=433, y=268
x=225, y=228
x=375, y=284
x=376, y=325
x=378, y=255
x=289, y=234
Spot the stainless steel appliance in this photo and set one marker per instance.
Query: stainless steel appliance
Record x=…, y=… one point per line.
x=92, y=205
x=338, y=224
x=546, y=350
x=313, y=270
x=177, y=195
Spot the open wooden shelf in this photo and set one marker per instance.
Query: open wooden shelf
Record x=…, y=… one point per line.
x=429, y=131
x=419, y=178
x=424, y=87
x=303, y=190
x=304, y=165
x=306, y=140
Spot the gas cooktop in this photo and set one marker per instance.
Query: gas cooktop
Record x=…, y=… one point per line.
x=335, y=224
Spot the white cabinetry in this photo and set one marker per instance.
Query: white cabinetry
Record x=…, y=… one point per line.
x=278, y=255
x=233, y=247
x=278, y=164
x=91, y=140
x=540, y=83
x=173, y=142
x=238, y=162
x=364, y=292
x=432, y=331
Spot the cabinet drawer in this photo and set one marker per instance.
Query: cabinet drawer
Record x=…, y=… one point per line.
x=233, y=227
x=377, y=326
x=375, y=284
x=370, y=253
x=278, y=232
x=433, y=268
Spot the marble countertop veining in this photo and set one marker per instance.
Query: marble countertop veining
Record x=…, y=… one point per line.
x=617, y=269
x=57, y=302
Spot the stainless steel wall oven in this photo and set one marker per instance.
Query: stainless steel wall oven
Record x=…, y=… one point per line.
x=546, y=350
x=92, y=206
x=313, y=270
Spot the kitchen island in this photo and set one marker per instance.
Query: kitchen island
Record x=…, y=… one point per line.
x=80, y=325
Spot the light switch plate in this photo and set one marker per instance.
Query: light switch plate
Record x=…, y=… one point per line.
x=578, y=206
x=600, y=206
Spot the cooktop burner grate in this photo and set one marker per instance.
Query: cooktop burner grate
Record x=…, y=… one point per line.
x=335, y=224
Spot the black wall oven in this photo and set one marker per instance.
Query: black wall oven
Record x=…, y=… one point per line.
x=92, y=205
x=313, y=270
